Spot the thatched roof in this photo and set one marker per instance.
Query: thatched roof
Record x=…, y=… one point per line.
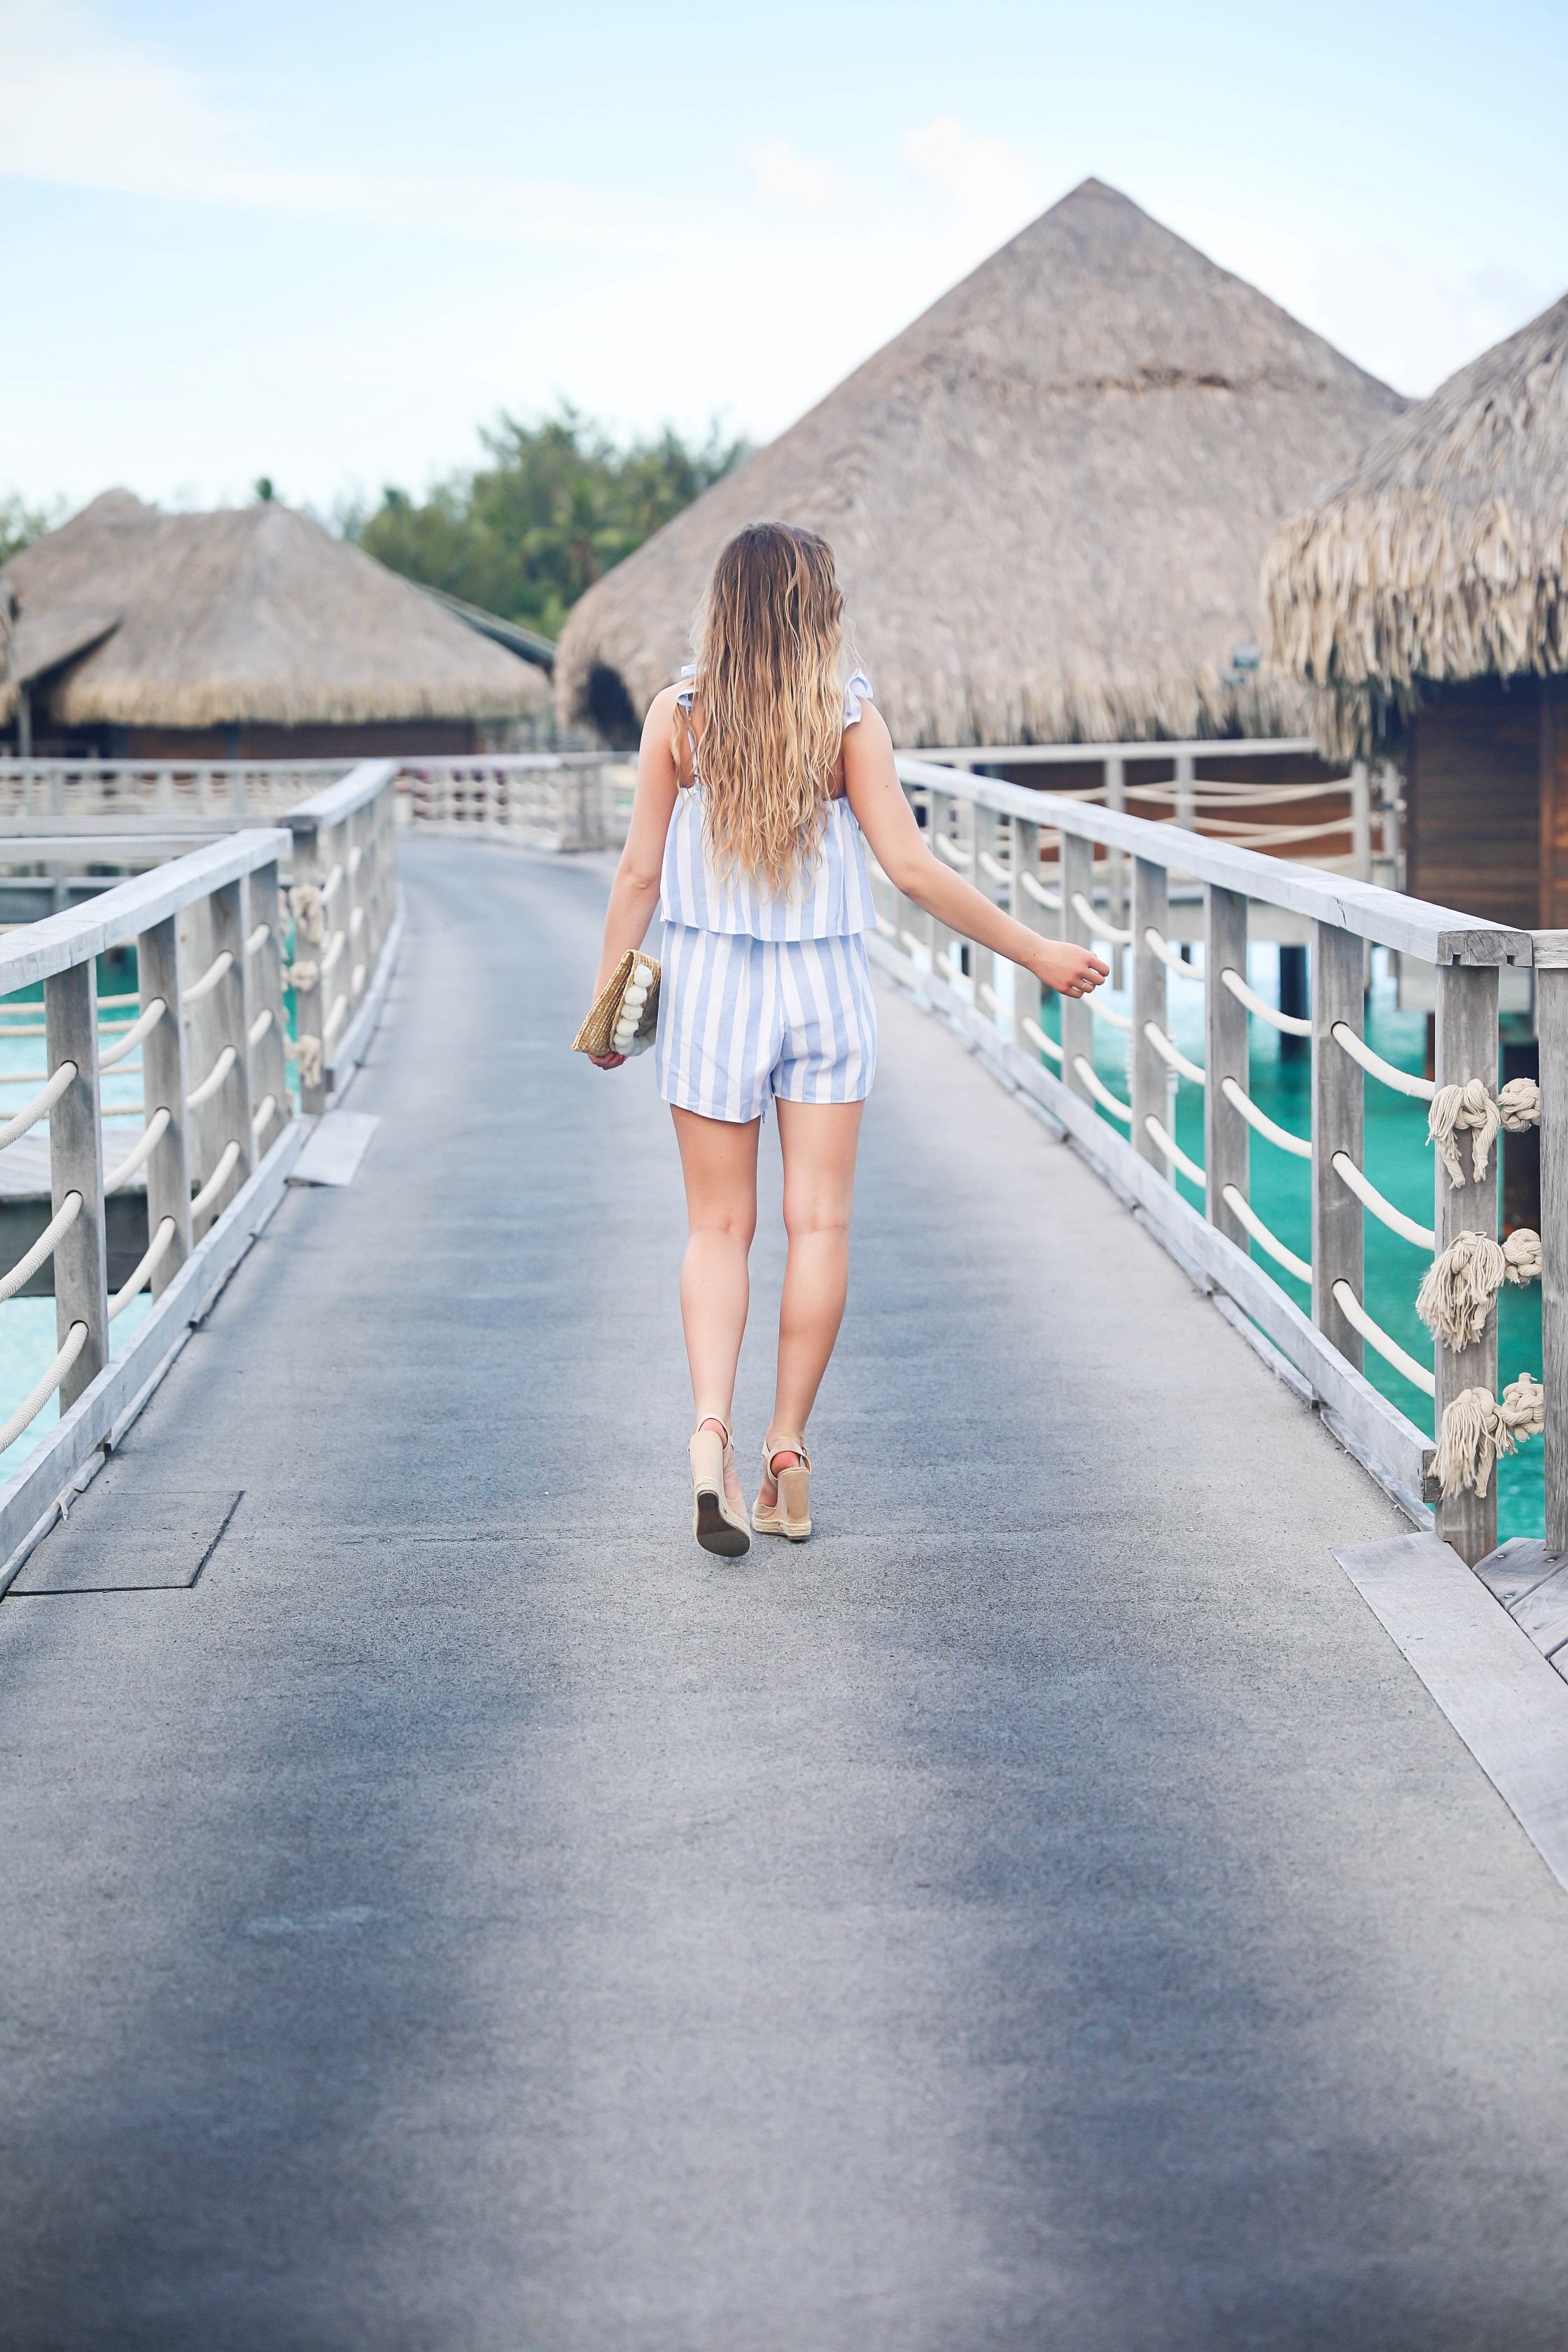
x=1443, y=554
x=1049, y=497
x=253, y=614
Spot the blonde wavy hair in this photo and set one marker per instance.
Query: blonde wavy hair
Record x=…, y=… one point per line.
x=767, y=711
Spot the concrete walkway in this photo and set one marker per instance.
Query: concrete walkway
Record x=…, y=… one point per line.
x=1043, y=1911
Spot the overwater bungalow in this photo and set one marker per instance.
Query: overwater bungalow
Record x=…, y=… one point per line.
x=1424, y=601
x=248, y=633
x=1049, y=496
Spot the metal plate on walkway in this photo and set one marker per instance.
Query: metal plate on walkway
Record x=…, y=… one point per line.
x=334, y=1151
x=131, y=1542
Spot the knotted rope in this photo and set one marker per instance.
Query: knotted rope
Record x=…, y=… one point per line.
x=1453, y=1108
x=1478, y=1432
x=306, y=904
x=1461, y=1283
x=1519, y=1104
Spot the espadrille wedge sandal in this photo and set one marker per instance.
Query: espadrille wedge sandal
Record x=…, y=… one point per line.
x=718, y=1525
x=790, y=1515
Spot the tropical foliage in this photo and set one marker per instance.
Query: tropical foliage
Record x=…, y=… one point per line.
x=558, y=504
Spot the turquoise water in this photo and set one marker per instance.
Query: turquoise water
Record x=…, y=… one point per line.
x=1397, y=1158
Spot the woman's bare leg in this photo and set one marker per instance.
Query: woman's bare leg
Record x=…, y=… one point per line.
x=719, y=1160
x=818, y=1141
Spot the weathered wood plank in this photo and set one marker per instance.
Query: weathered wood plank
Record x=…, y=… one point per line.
x=1227, y=1146
x=1551, y=1023
x=75, y=1165
x=1338, y=1217
x=1148, y=1071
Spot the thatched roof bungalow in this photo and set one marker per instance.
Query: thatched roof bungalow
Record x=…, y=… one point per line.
x=1425, y=600
x=246, y=633
x=1049, y=499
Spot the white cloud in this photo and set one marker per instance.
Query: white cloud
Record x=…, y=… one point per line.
x=803, y=183
x=984, y=179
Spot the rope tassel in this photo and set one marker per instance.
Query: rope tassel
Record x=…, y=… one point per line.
x=1478, y=1432
x=1451, y=1110
x=1461, y=1283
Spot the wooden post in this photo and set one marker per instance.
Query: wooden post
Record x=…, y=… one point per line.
x=1149, y=1072
x=1078, y=1021
x=1115, y=771
x=1027, y=911
x=269, y=1069
x=1226, y=1149
x=1467, y=1048
x=1361, y=821
x=1337, y=1106
x=943, y=960
x=985, y=833
x=1186, y=803
x=1551, y=1027
x=203, y=1141
x=231, y=1023
x=163, y=1087
x=75, y=1165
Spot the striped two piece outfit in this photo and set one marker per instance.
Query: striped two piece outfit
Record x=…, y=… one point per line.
x=764, y=996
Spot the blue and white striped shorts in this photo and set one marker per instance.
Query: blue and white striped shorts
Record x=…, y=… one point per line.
x=740, y=1019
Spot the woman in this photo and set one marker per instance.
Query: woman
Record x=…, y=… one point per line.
x=756, y=779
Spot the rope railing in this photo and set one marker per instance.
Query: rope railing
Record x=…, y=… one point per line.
x=1299, y=1145
x=1166, y=1142
x=1109, y=1014
x=1402, y=1081
x=60, y=1224
x=146, y=1266
x=1041, y=894
x=1242, y=1211
x=951, y=851
x=39, y=1108
x=1170, y=958
x=31, y=1404
x=1171, y=1054
x=1287, y=1023
x=334, y=949
x=261, y=1025
x=1039, y=1040
x=266, y=1111
x=257, y=939
x=332, y=884
x=1374, y=1335
x=334, y=1022
x=213, y=1079
x=220, y=965
x=1086, y=1070
x=994, y=867
x=1366, y=1190
x=228, y=1162
x=147, y=1143
x=1102, y=924
x=134, y=1034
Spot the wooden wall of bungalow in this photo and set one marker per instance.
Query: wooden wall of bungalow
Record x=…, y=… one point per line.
x=1486, y=766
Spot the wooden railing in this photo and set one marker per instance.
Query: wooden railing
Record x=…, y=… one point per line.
x=1036, y=853
x=229, y=938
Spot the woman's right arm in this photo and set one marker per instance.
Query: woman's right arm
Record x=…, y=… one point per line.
x=634, y=894
x=887, y=822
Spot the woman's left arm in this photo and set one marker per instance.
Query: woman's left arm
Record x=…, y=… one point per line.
x=634, y=894
x=887, y=822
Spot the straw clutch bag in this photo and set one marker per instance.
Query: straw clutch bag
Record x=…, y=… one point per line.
x=625, y=1013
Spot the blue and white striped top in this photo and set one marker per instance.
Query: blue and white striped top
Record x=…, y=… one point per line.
x=829, y=902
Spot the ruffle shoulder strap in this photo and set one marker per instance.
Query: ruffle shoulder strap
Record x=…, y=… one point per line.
x=858, y=691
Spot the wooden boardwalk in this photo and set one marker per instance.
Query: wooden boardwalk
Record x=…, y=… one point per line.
x=1043, y=1911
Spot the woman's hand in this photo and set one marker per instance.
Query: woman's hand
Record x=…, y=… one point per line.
x=1070, y=969
x=607, y=1061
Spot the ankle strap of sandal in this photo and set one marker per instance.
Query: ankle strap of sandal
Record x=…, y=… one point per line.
x=771, y=1452
x=729, y=1434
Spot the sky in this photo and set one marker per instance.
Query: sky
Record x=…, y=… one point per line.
x=326, y=241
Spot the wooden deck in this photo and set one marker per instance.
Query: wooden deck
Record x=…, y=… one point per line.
x=445, y=1908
